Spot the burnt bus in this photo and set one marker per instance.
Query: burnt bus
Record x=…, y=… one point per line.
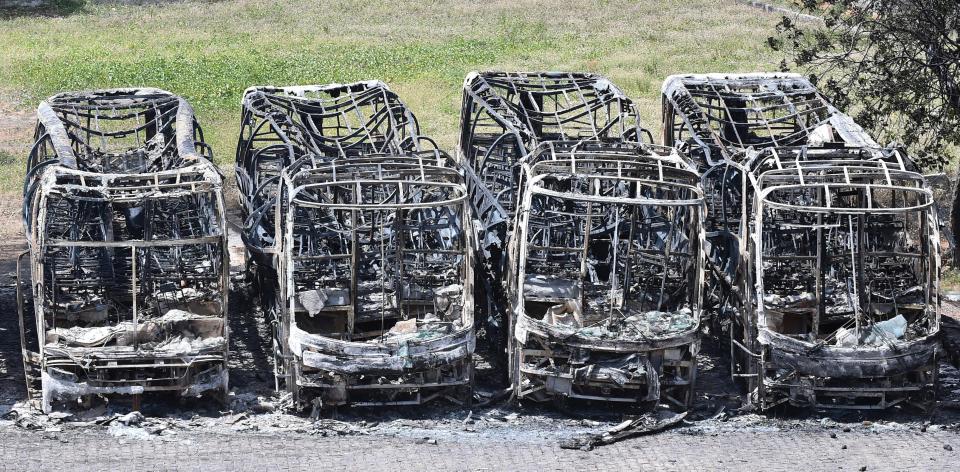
x=713, y=116
x=605, y=277
x=823, y=246
x=503, y=117
x=124, y=217
x=358, y=239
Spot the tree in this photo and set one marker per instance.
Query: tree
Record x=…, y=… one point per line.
x=894, y=65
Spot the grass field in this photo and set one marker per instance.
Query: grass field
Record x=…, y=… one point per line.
x=210, y=51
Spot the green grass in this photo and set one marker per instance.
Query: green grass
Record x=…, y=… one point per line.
x=11, y=176
x=210, y=51
x=950, y=280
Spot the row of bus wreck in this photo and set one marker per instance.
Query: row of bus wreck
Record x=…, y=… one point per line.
x=589, y=258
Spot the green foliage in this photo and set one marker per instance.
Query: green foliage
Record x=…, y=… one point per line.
x=950, y=280
x=893, y=64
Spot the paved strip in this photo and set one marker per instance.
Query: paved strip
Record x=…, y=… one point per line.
x=788, y=450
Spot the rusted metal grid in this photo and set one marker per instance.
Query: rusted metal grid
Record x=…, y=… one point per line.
x=124, y=216
x=606, y=271
x=510, y=121
x=823, y=247
x=365, y=271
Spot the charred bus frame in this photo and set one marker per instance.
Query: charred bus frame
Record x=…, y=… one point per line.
x=862, y=330
x=358, y=238
x=804, y=317
x=124, y=217
x=503, y=117
x=509, y=122
x=606, y=276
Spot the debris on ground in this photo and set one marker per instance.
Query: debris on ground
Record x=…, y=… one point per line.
x=647, y=423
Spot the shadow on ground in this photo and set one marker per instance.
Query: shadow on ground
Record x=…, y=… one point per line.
x=12, y=386
x=10, y=9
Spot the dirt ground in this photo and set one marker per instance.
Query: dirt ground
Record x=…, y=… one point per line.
x=16, y=124
x=16, y=137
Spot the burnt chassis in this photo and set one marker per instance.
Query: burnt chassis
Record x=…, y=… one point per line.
x=504, y=117
x=721, y=120
x=553, y=362
x=778, y=368
x=117, y=221
x=422, y=206
x=733, y=125
x=289, y=131
x=299, y=127
x=811, y=371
